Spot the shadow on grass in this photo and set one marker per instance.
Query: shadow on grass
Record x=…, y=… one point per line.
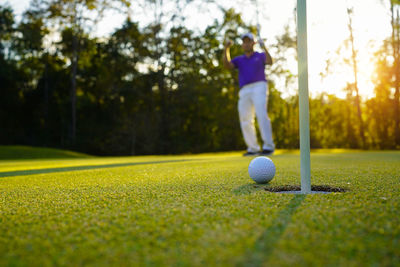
x=80, y=168
x=248, y=189
x=265, y=244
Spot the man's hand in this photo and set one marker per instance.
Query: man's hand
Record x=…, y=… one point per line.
x=261, y=42
x=228, y=43
x=227, y=57
x=263, y=47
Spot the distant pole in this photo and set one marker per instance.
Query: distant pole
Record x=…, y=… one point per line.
x=305, y=172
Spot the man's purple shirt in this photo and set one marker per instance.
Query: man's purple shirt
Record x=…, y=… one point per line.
x=251, y=69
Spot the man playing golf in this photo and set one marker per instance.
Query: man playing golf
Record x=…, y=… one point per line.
x=253, y=94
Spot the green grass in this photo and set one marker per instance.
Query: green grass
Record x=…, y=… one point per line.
x=27, y=152
x=199, y=210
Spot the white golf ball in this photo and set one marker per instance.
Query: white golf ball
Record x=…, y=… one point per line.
x=262, y=170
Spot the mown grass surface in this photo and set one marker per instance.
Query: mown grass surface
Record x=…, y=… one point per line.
x=199, y=210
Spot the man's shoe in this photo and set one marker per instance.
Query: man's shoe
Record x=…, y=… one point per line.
x=266, y=152
x=250, y=154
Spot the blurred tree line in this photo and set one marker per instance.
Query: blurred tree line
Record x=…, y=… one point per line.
x=162, y=90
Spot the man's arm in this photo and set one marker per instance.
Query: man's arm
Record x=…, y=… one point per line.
x=268, y=60
x=227, y=56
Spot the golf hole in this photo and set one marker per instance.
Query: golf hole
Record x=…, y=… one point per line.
x=295, y=189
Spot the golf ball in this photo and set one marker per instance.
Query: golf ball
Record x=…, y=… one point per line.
x=262, y=170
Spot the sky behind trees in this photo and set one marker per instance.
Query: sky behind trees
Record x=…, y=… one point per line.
x=327, y=32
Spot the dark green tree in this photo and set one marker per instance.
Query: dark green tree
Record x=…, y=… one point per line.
x=78, y=16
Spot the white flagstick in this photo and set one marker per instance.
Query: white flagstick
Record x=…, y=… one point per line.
x=305, y=172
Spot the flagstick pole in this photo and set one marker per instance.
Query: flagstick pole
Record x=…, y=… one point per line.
x=305, y=172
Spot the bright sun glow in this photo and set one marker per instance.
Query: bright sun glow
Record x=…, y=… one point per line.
x=328, y=28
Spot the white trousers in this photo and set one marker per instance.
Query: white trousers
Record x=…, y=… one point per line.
x=253, y=98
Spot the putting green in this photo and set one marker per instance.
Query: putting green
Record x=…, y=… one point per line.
x=193, y=210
